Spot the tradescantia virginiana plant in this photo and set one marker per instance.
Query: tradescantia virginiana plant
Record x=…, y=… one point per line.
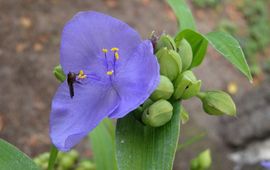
x=108, y=71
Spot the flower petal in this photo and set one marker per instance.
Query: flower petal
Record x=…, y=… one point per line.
x=86, y=34
x=136, y=79
x=72, y=118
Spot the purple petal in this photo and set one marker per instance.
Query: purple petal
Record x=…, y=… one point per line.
x=72, y=119
x=136, y=79
x=266, y=164
x=86, y=34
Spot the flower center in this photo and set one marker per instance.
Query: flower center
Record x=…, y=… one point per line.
x=111, y=64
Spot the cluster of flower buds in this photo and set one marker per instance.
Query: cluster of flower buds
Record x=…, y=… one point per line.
x=65, y=161
x=178, y=82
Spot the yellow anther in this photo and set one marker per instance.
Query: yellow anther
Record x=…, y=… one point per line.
x=114, y=49
x=104, y=50
x=81, y=75
x=116, y=56
x=109, y=73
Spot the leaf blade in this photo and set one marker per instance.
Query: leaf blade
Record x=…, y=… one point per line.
x=13, y=159
x=183, y=14
x=140, y=147
x=198, y=44
x=103, y=145
x=229, y=47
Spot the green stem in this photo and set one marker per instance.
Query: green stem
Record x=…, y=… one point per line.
x=53, y=156
x=201, y=95
x=191, y=141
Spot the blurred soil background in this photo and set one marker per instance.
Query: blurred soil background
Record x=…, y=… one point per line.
x=30, y=32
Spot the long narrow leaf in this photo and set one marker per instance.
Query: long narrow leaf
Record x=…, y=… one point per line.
x=13, y=159
x=141, y=147
x=223, y=42
x=103, y=145
x=229, y=47
x=183, y=14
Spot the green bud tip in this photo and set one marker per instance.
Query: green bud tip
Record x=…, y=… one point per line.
x=186, y=86
x=170, y=63
x=202, y=162
x=158, y=114
x=167, y=41
x=73, y=154
x=66, y=162
x=184, y=115
x=205, y=160
x=186, y=54
x=86, y=164
x=59, y=73
x=217, y=103
x=147, y=103
x=164, y=90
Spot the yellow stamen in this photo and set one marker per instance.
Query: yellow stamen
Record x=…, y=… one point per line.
x=81, y=75
x=116, y=56
x=114, y=49
x=109, y=73
x=104, y=50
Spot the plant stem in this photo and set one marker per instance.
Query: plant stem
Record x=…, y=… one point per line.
x=53, y=156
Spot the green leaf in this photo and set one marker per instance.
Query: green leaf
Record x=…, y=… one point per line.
x=198, y=44
x=223, y=42
x=103, y=145
x=141, y=147
x=13, y=159
x=229, y=47
x=183, y=14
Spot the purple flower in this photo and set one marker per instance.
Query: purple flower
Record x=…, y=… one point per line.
x=266, y=164
x=116, y=71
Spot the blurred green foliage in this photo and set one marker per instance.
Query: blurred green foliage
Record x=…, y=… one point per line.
x=206, y=3
x=257, y=38
x=227, y=26
x=65, y=161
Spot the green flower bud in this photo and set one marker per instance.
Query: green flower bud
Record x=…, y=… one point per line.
x=217, y=103
x=138, y=113
x=147, y=103
x=205, y=159
x=194, y=165
x=165, y=41
x=44, y=166
x=184, y=115
x=66, y=162
x=44, y=157
x=59, y=73
x=185, y=52
x=170, y=63
x=164, y=89
x=86, y=165
x=60, y=168
x=73, y=154
x=186, y=85
x=202, y=162
x=37, y=161
x=158, y=113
